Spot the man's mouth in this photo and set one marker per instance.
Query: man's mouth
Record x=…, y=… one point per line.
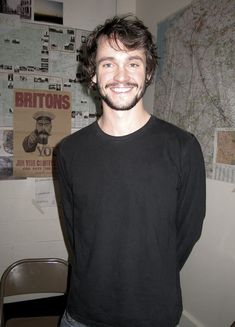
x=121, y=88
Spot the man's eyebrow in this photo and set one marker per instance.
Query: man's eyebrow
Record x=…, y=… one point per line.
x=105, y=59
x=136, y=58
x=113, y=59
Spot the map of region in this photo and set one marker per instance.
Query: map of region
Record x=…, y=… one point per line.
x=47, y=57
x=195, y=80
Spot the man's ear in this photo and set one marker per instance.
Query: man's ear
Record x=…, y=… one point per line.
x=94, y=79
x=148, y=77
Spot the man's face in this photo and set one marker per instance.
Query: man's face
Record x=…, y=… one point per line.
x=43, y=127
x=120, y=74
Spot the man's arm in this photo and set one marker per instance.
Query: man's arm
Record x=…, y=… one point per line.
x=30, y=142
x=191, y=200
x=65, y=191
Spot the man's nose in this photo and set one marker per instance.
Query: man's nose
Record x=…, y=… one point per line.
x=121, y=74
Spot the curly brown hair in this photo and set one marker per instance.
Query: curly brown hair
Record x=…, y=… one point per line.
x=128, y=30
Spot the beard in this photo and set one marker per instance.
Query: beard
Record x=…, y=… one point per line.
x=129, y=104
x=43, y=137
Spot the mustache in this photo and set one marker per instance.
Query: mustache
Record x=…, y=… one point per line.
x=43, y=133
x=116, y=84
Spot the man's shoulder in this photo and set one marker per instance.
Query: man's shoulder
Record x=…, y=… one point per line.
x=76, y=141
x=174, y=137
x=78, y=136
x=170, y=130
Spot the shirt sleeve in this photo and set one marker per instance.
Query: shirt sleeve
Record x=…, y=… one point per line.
x=191, y=200
x=65, y=192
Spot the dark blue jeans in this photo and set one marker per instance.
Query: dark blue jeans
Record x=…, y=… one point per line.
x=68, y=321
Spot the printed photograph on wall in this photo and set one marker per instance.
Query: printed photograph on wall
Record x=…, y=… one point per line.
x=6, y=153
x=17, y=7
x=48, y=11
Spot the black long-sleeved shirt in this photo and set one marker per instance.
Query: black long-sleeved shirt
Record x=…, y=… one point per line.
x=134, y=207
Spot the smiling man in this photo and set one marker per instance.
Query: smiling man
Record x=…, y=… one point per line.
x=132, y=190
x=120, y=75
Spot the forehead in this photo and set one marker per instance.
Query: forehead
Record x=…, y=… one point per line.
x=109, y=47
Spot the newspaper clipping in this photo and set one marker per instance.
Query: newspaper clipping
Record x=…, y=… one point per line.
x=41, y=120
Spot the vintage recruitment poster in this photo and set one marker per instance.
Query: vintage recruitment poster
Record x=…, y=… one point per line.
x=41, y=120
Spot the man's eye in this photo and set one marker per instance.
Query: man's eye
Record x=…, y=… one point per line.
x=134, y=64
x=107, y=65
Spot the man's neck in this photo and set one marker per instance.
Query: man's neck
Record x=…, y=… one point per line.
x=123, y=122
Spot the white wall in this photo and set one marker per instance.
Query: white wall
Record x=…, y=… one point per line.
x=208, y=276
x=87, y=14
x=126, y=7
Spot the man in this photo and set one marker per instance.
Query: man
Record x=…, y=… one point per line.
x=41, y=133
x=133, y=193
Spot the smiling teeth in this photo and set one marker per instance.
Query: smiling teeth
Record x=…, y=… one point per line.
x=121, y=89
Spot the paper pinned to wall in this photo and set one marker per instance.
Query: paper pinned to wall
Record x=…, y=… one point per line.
x=224, y=155
x=44, y=192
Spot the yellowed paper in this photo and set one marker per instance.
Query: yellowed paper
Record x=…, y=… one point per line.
x=41, y=120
